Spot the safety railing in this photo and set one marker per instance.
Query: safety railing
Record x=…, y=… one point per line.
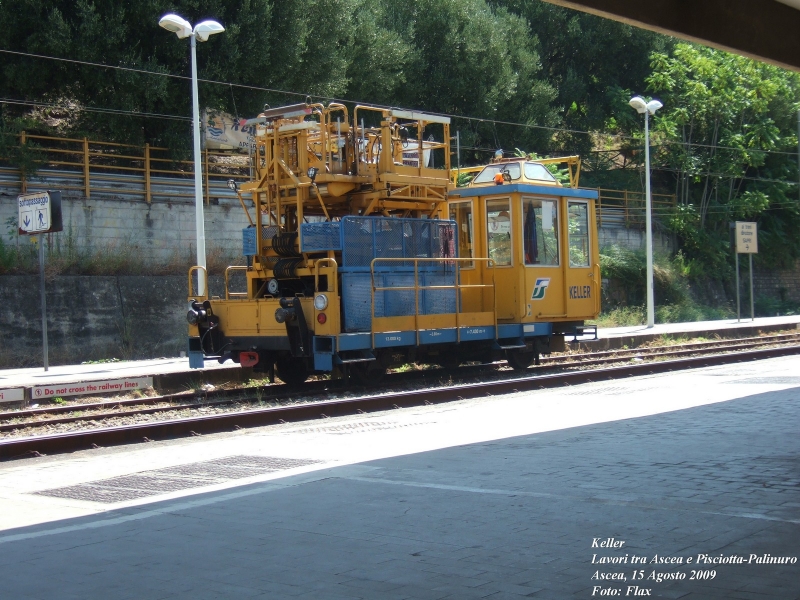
x=457, y=287
x=614, y=208
x=624, y=208
x=88, y=166
x=194, y=287
x=228, y=293
x=333, y=283
x=94, y=167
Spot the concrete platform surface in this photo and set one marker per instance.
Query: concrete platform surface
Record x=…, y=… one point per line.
x=617, y=489
x=725, y=325
x=10, y=378
x=609, y=337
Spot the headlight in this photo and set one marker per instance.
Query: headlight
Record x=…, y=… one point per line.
x=320, y=302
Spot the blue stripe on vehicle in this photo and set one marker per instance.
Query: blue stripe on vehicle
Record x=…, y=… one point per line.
x=482, y=332
x=395, y=338
x=530, y=329
x=437, y=336
x=354, y=341
x=525, y=188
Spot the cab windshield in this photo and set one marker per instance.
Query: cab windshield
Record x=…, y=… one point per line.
x=533, y=171
x=488, y=173
x=538, y=171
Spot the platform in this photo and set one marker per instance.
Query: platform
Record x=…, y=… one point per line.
x=174, y=374
x=164, y=374
x=615, y=337
x=546, y=494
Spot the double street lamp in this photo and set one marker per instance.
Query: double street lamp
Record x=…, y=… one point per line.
x=647, y=109
x=202, y=31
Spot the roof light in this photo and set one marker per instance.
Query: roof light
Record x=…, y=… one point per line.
x=207, y=28
x=177, y=25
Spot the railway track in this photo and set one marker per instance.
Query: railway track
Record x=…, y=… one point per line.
x=30, y=432
x=188, y=400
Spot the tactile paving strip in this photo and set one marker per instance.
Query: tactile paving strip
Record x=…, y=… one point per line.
x=606, y=390
x=788, y=380
x=355, y=427
x=173, y=479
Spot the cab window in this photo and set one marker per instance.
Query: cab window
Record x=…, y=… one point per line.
x=578, y=234
x=498, y=225
x=538, y=171
x=540, y=231
x=488, y=173
x=461, y=213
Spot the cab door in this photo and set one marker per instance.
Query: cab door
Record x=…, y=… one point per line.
x=543, y=258
x=462, y=212
x=499, y=230
x=583, y=284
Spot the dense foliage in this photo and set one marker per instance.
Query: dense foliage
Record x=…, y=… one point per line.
x=514, y=73
x=728, y=148
x=498, y=61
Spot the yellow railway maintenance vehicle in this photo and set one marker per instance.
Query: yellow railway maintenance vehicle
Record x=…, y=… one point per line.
x=362, y=253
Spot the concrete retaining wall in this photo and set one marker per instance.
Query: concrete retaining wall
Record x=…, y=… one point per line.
x=164, y=232
x=633, y=239
x=158, y=233
x=91, y=318
x=783, y=285
x=135, y=317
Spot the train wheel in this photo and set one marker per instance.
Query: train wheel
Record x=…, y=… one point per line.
x=292, y=371
x=368, y=373
x=520, y=360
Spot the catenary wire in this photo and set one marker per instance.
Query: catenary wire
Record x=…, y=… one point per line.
x=474, y=148
x=95, y=109
x=329, y=98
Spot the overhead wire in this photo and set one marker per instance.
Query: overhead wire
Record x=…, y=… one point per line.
x=95, y=109
x=286, y=92
x=474, y=148
x=231, y=85
x=335, y=99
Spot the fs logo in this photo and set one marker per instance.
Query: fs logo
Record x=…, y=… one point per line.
x=540, y=288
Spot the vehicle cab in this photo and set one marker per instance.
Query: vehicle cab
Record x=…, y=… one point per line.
x=540, y=239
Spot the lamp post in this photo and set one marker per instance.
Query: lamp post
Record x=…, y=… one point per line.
x=648, y=108
x=183, y=29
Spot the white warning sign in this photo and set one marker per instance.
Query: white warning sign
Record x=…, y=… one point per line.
x=746, y=238
x=34, y=212
x=12, y=395
x=90, y=388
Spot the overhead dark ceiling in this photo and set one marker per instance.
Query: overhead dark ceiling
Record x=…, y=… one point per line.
x=767, y=30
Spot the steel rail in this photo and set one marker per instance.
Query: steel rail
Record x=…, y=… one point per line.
x=105, y=410
x=753, y=341
x=160, y=430
x=576, y=359
x=207, y=399
x=227, y=396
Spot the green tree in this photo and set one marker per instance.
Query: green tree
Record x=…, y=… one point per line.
x=465, y=57
x=380, y=57
x=588, y=61
x=728, y=138
x=300, y=46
